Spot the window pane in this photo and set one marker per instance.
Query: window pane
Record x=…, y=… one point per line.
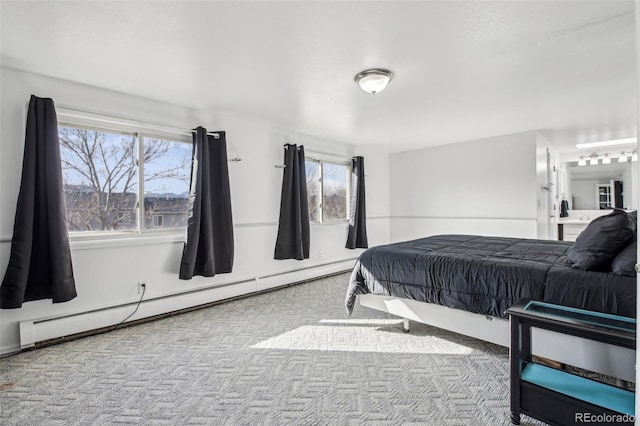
x=334, y=191
x=312, y=169
x=100, y=179
x=167, y=168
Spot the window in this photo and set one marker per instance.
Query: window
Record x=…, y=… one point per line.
x=157, y=221
x=312, y=169
x=334, y=191
x=167, y=169
x=327, y=190
x=104, y=180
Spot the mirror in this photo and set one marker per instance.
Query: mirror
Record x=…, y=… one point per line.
x=599, y=187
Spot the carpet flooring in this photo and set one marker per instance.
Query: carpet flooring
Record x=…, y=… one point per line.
x=286, y=357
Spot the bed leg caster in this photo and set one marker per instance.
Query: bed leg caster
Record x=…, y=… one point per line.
x=405, y=325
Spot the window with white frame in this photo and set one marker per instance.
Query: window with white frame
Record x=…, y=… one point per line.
x=158, y=221
x=167, y=169
x=108, y=175
x=327, y=190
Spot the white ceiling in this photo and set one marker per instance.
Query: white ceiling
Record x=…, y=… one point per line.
x=464, y=69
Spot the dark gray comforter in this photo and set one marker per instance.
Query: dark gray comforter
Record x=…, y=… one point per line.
x=486, y=275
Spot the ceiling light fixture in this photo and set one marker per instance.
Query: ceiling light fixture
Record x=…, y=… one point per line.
x=594, y=158
x=373, y=80
x=627, y=156
x=626, y=141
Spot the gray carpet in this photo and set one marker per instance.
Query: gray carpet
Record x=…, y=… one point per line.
x=287, y=357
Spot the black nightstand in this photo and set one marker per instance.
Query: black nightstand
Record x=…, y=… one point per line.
x=556, y=396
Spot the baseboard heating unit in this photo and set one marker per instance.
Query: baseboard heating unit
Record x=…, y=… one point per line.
x=43, y=331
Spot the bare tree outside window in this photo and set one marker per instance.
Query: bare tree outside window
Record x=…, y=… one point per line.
x=100, y=172
x=334, y=191
x=166, y=185
x=327, y=190
x=312, y=169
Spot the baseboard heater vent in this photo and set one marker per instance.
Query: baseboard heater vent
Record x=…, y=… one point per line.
x=47, y=331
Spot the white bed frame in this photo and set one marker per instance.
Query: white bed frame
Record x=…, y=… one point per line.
x=582, y=353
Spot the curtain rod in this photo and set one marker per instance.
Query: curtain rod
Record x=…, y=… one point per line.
x=311, y=153
x=329, y=154
x=132, y=121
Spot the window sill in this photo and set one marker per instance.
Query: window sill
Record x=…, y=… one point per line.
x=331, y=223
x=82, y=241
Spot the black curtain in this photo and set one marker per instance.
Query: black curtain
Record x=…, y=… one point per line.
x=293, y=227
x=209, y=246
x=40, y=260
x=357, y=237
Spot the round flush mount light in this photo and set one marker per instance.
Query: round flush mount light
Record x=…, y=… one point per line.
x=373, y=80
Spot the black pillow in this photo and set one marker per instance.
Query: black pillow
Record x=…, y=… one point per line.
x=602, y=240
x=625, y=262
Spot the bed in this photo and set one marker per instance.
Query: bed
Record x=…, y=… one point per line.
x=464, y=283
x=486, y=275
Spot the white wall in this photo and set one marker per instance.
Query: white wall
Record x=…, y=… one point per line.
x=482, y=187
x=107, y=272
